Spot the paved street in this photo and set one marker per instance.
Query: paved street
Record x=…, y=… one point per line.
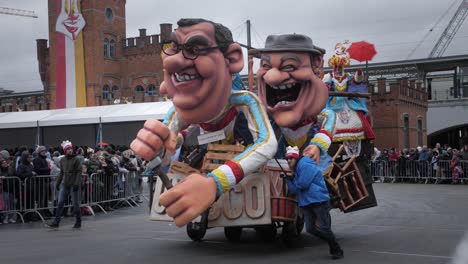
x=413, y=223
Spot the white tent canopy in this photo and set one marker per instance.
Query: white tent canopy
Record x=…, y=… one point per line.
x=85, y=115
x=135, y=112
x=23, y=119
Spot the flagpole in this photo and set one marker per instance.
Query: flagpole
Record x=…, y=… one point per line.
x=100, y=130
x=37, y=133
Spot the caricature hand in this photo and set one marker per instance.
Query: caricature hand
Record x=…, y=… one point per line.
x=313, y=152
x=151, y=138
x=189, y=198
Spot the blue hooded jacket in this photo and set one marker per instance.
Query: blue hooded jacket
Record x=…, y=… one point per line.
x=308, y=183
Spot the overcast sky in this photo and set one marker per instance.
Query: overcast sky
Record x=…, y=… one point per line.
x=396, y=27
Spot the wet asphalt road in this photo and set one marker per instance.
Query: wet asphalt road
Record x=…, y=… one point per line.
x=414, y=223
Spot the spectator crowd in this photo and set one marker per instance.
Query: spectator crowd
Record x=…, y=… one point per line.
x=421, y=164
x=41, y=162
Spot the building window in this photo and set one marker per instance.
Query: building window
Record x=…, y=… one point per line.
x=109, y=14
x=387, y=87
x=115, y=91
x=375, y=89
x=420, y=132
x=106, y=93
x=106, y=48
x=140, y=89
x=112, y=49
x=406, y=131
x=151, y=90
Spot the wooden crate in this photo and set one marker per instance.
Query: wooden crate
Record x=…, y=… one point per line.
x=346, y=183
x=178, y=167
x=218, y=154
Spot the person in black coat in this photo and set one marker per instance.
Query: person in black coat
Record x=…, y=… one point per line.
x=25, y=172
x=25, y=168
x=42, y=190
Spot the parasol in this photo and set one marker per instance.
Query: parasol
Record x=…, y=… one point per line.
x=362, y=51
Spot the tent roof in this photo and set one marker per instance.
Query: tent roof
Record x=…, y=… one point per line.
x=22, y=119
x=134, y=112
x=85, y=115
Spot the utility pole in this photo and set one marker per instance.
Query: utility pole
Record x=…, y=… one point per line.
x=249, y=42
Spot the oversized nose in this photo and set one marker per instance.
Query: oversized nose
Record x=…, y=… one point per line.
x=176, y=62
x=275, y=77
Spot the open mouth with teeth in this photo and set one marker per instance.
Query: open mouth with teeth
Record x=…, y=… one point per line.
x=283, y=94
x=186, y=77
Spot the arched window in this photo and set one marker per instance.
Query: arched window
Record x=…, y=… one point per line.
x=112, y=49
x=106, y=48
x=106, y=94
x=139, y=89
x=109, y=14
x=151, y=90
x=115, y=91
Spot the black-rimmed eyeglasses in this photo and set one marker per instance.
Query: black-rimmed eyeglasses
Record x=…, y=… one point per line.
x=190, y=52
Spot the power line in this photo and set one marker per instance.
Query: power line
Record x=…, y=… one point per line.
x=258, y=35
x=238, y=26
x=240, y=33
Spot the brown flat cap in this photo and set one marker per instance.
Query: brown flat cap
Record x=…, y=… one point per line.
x=291, y=42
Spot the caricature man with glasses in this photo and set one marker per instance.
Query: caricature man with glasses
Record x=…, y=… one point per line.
x=199, y=61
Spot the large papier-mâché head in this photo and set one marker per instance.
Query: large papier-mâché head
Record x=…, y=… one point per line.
x=288, y=79
x=198, y=63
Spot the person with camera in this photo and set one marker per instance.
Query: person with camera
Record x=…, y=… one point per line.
x=309, y=185
x=69, y=181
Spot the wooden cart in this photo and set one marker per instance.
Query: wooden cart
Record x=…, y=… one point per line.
x=259, y=201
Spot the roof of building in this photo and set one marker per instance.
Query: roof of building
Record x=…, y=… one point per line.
x=85, y=115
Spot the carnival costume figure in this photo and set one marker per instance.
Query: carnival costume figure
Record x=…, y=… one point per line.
x=199, y=61
x=289, y=86
x=352, y=122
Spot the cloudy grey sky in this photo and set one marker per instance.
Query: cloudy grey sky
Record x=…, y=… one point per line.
x=396, y=27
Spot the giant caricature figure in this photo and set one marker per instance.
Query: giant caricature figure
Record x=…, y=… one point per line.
x=351, y=125
x=294, y=95
x=198, y=63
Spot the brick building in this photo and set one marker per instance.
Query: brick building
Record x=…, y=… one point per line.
x=398, y=109
x=117, y=68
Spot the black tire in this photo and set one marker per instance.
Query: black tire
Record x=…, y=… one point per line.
x=299, y=224
x=196, y=231
x=233, y=233
x=289, y=235
x=266, y=233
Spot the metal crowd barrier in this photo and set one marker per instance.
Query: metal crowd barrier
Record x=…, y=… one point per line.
x=40, y=196
x=419, y=171
x=112, y=191
x=37, y=194
x=11, y=204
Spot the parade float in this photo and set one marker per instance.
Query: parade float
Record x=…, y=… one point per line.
x=254, y=196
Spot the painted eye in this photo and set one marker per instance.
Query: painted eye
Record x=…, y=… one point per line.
x=288, y=68
x=266, y=66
